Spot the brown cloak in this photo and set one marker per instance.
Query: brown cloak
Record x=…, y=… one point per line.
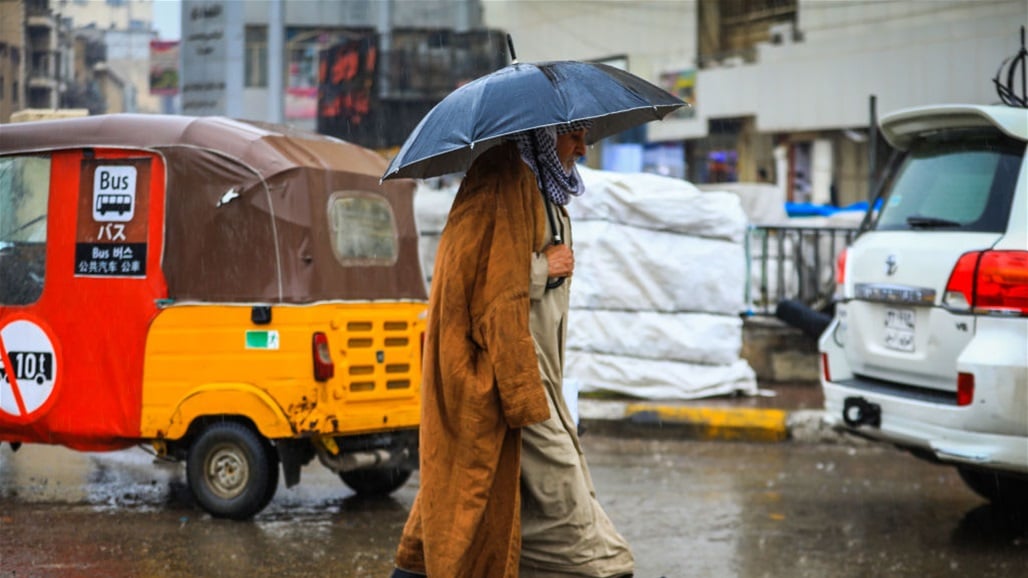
x=481, y=377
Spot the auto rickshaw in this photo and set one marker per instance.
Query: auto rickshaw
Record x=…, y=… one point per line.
x=240, y=296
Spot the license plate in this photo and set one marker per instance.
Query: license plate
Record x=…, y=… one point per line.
x=900, y=328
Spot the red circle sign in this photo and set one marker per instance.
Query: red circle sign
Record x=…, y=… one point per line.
x=28, y=369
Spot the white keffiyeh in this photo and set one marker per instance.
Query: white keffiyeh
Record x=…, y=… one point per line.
x=538, y=149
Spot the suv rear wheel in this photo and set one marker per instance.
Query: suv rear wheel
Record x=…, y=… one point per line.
x=1000, y=489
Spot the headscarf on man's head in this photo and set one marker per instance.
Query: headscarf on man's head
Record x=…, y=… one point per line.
x=538, y=149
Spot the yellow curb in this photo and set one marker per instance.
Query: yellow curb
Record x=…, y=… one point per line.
x=740, y=424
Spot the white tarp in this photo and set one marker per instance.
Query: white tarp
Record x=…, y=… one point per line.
x=652, y=379
x=630, y=268
x=430, y=209
x=763, y=203
x=660, y=268
x=660, y=272
x=688, y=337
x=659, y=203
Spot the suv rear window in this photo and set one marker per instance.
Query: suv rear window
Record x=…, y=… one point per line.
x=954, y=181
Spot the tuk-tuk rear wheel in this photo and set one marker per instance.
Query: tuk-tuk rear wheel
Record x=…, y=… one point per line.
x=375, y=481
x=232, y=471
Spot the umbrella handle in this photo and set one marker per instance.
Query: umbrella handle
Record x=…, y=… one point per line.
x=559, y=280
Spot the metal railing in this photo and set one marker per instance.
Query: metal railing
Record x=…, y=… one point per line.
x=792, y=263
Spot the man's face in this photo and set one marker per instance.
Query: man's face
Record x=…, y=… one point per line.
x=570, y=148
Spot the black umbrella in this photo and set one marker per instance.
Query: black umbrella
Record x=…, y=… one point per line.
x=524, y=96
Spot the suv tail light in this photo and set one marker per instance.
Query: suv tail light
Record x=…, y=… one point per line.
x=840, y=273
x=994, y=282
x=324, y=367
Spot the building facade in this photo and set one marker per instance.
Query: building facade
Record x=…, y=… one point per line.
x=34, y=59
x=279, y=77
x=12, y=58
x=125, y=28
x=75, y=54
x=781, y=88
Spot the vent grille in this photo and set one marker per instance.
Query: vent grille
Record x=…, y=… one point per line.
x=379, y=353
x=362, y=386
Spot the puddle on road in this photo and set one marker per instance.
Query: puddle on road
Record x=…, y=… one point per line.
x=68, y=513
x=134, y=479
x=126, y=478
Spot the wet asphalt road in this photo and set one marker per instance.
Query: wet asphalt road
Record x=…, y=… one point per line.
x=688, y=508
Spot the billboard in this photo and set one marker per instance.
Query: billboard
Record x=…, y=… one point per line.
x=346, y=76
x=164, y=67
x=212, y=56
x=681, y=83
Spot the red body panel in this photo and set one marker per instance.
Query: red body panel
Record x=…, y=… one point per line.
x=101, y=290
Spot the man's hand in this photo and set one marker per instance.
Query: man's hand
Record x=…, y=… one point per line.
x=560, y=260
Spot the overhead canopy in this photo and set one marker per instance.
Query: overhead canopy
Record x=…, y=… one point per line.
x=257, y=212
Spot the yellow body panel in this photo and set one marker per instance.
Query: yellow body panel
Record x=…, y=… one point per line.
x=213, y=360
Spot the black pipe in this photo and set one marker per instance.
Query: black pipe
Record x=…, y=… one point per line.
x=799, y=315
x=510, y=45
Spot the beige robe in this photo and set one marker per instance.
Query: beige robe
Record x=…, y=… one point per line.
x=481, y=381
x=564, y=530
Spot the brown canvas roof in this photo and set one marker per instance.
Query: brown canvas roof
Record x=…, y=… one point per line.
x=271, y=243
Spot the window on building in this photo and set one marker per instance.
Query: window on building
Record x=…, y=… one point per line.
x=24, y=195
x=256, y=50
x=362, y=228
x=731, y=29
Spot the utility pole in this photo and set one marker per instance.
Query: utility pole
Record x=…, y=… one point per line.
x=872, y=148
x=385, y=36
x=276, y=47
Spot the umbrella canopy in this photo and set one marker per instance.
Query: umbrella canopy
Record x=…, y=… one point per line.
x=521, y=97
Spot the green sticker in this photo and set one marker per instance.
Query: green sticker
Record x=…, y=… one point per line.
x=262, y=339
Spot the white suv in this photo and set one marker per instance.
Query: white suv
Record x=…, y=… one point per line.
x=928, y=348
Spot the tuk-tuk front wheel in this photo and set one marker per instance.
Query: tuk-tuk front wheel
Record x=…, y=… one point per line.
x=375, y=481
x=232, y=471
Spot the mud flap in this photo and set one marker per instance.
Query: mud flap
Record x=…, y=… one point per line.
x=294, y=454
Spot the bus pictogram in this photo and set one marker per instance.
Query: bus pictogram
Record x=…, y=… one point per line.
x=113, y=203
x=114, y=193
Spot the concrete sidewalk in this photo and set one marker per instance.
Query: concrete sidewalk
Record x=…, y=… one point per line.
x=783, y=411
